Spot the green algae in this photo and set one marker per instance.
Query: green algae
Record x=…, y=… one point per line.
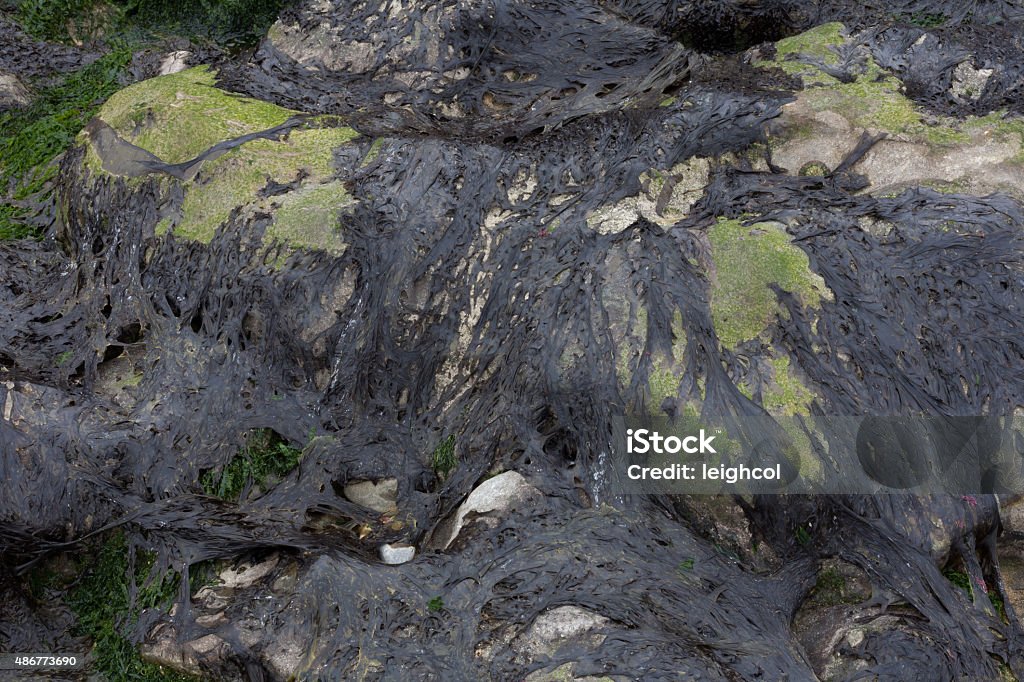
x=786, y=395
x=235, y=179
x=307, y=217
x=181, y=115
x=32, y=138
x=817, y=42
x=746, y=261
x=876, y=99
x=1002, y=129
x=373, y=152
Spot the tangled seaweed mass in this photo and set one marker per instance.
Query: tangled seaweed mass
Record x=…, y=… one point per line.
x=376, y=290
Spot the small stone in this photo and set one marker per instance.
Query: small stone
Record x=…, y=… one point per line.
x=397, y=553
x=556, y=627
x=211, y=620
x=968, y=82
x=175, y=62
x=380, y=496
x=246, y=574
x=12, y=92
x=855, y=637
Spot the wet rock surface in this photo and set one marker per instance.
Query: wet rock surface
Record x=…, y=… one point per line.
x=432, y=251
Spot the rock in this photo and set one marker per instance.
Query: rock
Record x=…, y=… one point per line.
x=12, y=93
x=565, y=673
x=397, y=553
x=969, y=82
x=380, y=496
x=978, y=155
x=246, y=574
x=165, y=650
x=136, y=133
x=175, y=62
x=497, y=494
x=284, y=656
x=9, y=401
x=557, y=627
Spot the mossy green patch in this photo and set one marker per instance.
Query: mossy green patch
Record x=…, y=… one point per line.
x=666, y=369
x=444, y=458
x=373, y=152
x=875, y=101
x=786, y=395
x=31, y=138
x=266, y=458
x=234, y=180
x=227, y=22
x=817, y=42
x=1001, y=126
x=747, y=259
x=179, y=116
x=307, y=217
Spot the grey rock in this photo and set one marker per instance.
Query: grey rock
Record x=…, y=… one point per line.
x=397, y=553
x=175, y=62
x=968, y=82
x=557, y=627
x=246, y=574
x=12, y=93
x=495, y=495
x=380, y=496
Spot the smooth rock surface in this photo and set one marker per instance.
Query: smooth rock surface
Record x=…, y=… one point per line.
x=397, y=553
x=497, y=494
x=380, y=496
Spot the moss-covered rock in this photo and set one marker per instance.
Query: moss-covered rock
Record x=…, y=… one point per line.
x=747, y=260
x=181, y=115
x=178, y=117
x=823, y=124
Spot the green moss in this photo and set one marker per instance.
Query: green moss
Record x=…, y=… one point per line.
x=829, y=587
x=31, y=138
x=228, y=22
x=960, y=579
x=926, y=19
x=813, y=43
x=1002, y=129
x=308, y=217
x=746, y=261
x=666, y=371
x=179, y=116
x=373, y=152
x=874, y=100
x=265, y=459
x=786, y=395
x=235, y=179
x=443, y=459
